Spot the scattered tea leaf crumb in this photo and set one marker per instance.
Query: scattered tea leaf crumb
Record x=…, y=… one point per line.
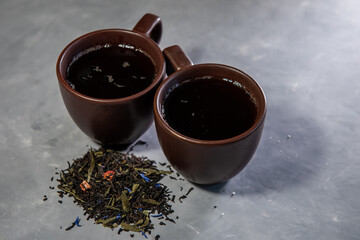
x=182, y=197
x=61, y=194
x=189, y=191
x=171, y=220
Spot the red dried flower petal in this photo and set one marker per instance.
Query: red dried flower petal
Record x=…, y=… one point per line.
x=85, y=185
x=109, y=175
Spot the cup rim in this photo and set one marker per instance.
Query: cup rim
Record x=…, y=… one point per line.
x=164, y=86
x=157, y=79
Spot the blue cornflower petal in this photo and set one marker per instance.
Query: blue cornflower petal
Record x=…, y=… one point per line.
x=144, y=177
x=143, y=233
x=77, y=222
x=118, y=216
x=156, y=215
x=128, y=189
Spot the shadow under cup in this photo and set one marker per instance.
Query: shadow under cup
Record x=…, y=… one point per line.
x=114, y=122
x=208, y=161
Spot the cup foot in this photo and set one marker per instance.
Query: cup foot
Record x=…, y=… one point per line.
x=117, y=147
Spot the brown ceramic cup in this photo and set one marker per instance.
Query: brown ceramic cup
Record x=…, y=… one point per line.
x=114, y=122
x=206, y=161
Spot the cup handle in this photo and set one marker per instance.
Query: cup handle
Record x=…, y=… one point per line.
x=151, y=26
x=176, y=58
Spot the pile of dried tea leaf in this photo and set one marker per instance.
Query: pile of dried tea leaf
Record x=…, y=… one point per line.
x=117, y=189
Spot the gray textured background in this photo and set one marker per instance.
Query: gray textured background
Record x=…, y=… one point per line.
x=302, y=183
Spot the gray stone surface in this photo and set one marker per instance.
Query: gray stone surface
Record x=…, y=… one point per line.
x=302, y=183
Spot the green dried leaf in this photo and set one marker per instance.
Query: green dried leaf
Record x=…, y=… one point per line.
x=150, y=171
x=106, y=221
x=98, y=154
x=82, y=167
x=146, y=223
x=125, y=202
x=92, y=165
x=111, y=201
x=113, y=208
x=147, y=220
x=151, y=201
x=134, y=188
x=141, y=221
x=107, y=191
x=129, y=227
x=100, y=221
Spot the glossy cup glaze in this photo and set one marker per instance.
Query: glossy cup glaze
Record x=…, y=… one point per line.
x=114, y=122
x=206, y=161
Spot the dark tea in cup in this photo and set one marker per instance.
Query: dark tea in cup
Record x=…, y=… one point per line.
x=208, y=118
x=108, y=79
x=111, y=71
x=209, y=108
